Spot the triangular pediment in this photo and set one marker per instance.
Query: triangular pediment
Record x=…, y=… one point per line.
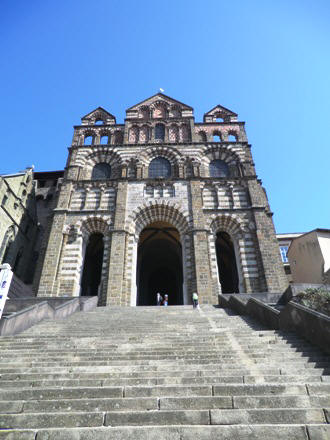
x=220, y=112
x=219, y=109
x=98, y=114
x=158, y=98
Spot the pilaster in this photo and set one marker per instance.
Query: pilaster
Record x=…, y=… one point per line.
x=115, y=289
x=200, y=242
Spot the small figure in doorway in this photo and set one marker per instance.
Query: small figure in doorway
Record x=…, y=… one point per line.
x=159, y=299
x=165, y=302
x=195, y=300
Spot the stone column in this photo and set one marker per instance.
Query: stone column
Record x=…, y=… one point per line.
x=115, y=288
x=201, y=250
x=50, y=268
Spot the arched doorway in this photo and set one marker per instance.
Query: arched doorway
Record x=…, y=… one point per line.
x=226, y=260
x=91, y=277
x=159, y=265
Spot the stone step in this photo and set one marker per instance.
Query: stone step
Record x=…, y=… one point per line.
x=205, y=380
x=72, y=378
x=22, y=360
x=163, y=417
x=164, y=403
x=205, y=432
x=167, y=391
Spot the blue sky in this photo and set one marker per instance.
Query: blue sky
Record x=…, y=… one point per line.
x=267, y=60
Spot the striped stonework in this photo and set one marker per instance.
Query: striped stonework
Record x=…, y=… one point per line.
x=190, y=202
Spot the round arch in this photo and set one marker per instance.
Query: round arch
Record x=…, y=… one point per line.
x=167, y=213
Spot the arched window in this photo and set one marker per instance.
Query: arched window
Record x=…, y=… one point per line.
x=88, y=140
x=101, y=171
x=232, y=137
x=216, y=137
x=159, y=167
x=104, y=140
x=160, y=132
x=218, y=168
x=99, y=122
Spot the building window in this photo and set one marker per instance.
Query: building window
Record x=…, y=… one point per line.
x=101, y=171
x=160, y=132
x=218, y=168
x=159, y=167
x=284, y=251
x=4, y=200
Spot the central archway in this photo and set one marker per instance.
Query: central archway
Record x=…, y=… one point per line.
x=159, y=264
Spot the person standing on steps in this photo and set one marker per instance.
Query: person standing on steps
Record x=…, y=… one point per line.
x=195, y=300
x=165, y=302
x=159, y=299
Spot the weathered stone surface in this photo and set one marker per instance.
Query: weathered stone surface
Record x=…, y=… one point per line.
x=140, y=418
x=266, y=416
x=56, y=420
x=319, y=432
x=258, y=390
x=241, y=432
x=195, y=402
x=92, y=405
x=7, y=407
x=18, y=435
x=280, y=401
x=168, y=391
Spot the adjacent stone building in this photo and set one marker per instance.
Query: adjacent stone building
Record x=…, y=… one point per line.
x=160, y=203
x=18, y=223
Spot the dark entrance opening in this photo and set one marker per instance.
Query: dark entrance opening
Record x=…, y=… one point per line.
x=226, y=263
x=159, y=265
x=91, y=277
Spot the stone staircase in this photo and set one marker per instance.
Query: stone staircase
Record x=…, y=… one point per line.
x=150, y=373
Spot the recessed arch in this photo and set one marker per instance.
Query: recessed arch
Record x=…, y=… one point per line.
x=159, y=264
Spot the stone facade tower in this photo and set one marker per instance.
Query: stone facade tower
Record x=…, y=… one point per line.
x=160, y=203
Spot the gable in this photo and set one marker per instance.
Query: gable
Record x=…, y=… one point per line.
x=220, y=112
x=98, y=114
x=160, y=97
x=167, y=106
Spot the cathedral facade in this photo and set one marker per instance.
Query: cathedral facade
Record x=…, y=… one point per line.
x=163, y=204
